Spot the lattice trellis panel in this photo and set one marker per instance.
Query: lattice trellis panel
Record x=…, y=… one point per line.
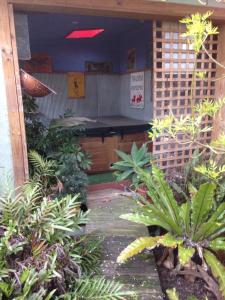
x=173, y=61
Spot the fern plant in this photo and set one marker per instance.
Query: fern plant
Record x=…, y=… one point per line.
x=193, y=228
x=98, y=289
x=43, y=172
x=87, y=252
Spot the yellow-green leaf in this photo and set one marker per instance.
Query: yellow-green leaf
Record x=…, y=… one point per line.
x=170, y=241
x=172, y=294
x=137, y=247
x=185, y=254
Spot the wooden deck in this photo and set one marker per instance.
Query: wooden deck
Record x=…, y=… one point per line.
x=140, y=273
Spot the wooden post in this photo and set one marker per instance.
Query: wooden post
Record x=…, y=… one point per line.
x=8, y=52
x=219, y=120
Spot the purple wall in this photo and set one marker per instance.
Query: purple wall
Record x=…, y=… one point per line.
x=70, y=55
x=141, y=40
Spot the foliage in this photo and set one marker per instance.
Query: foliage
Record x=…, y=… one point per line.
x=97, y=289
x=187, y=130
x=75, y=183
x=60, y=176
x=217, y=269
x=125, y=169
x=72, y=163
x=35, y=130
x=48, y=219
x=62, y=145
x=42, y=172
x=62, y=136
x=42, y=254
x=62, y=162
x=173, y=295
x=192, y=228
x=87, y=253
x=198, y=29
x=76, y=154
x=200, y=169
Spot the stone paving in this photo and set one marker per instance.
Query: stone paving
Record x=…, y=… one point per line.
x=138, y=274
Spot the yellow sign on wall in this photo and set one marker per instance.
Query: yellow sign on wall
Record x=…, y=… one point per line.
x=76, y=85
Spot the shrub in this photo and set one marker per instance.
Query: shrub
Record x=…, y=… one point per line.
x=35, y=130
x=43, y=255
x=193, y=228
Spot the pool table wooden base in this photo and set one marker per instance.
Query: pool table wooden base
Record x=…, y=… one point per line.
x=103, y=150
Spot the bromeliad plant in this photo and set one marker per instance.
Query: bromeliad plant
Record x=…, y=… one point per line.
x=126, y=168
x=193, y=228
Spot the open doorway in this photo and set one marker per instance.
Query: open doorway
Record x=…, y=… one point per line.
x=100, y=69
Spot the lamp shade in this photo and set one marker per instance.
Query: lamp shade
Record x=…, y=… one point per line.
x=33, y=87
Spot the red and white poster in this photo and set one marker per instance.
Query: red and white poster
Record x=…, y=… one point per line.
x=137, y=90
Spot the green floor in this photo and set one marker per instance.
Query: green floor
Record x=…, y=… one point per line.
x=101, y=178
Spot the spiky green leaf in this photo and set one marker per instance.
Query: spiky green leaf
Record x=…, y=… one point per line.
x=201, y=205
x=217, y=269
x=218, y=243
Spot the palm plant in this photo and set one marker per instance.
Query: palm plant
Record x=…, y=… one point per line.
x=194, y=228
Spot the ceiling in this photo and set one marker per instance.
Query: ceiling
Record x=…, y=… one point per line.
x=44, y=27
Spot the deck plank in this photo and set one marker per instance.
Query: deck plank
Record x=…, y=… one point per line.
x=138, y=274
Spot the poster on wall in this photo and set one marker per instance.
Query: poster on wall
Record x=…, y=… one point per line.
x=137, y=90
x=98, y=67
x=76, y=85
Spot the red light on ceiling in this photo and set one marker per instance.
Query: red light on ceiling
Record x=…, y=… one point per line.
x=84, y=34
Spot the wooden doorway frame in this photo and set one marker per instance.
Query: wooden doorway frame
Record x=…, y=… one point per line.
x=140, y=9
